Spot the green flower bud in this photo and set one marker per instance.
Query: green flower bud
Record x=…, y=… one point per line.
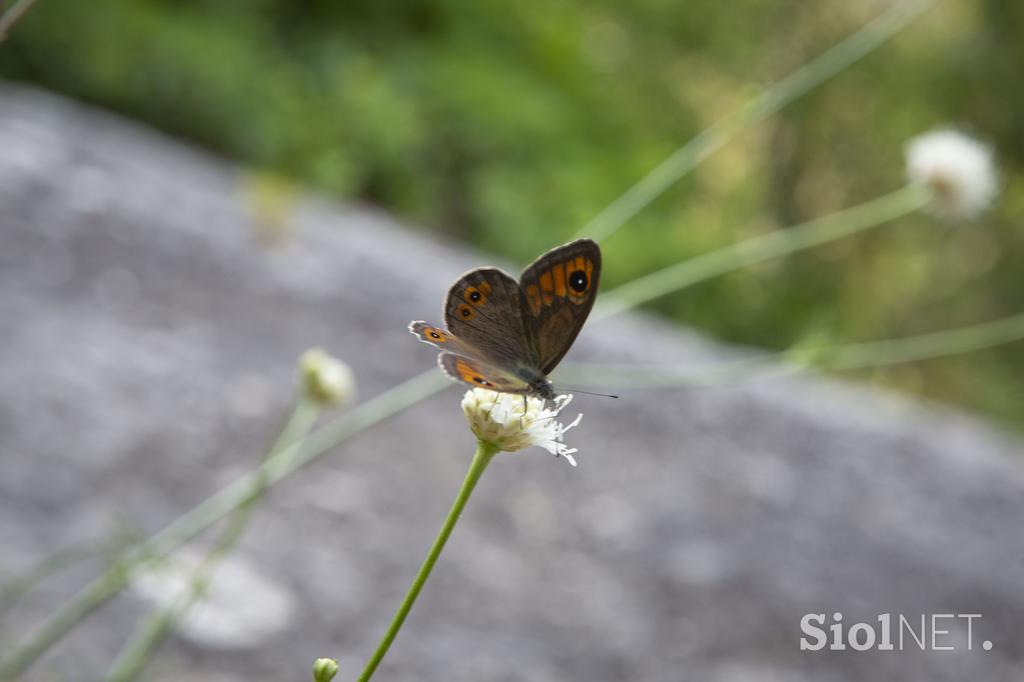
x=324, y=669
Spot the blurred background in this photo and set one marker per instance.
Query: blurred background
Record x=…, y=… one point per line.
x=509, y=126
x=162, y=267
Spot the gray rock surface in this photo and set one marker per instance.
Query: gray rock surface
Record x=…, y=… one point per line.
x=147, y=350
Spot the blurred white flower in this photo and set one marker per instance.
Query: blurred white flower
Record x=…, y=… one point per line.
x=325, y=378
x=512, y=423
x=959, y=171
x=238, y=608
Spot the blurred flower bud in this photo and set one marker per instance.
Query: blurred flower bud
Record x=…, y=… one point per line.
x=326, y=379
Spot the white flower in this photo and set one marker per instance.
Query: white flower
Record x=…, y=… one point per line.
x=959, y=171
x=325, y=378
x=512, y=423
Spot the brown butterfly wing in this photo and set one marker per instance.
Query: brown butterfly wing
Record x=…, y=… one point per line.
x=480, y=374
x=441, y=338
x=458, y=361
x=557, y=292
x=483, y=309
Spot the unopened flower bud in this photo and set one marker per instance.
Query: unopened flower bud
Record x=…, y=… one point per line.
x=324, y=669
x=326, y=379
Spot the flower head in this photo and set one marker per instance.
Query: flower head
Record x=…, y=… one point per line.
x=325, y=378
x=959, y=172
x=512, y=422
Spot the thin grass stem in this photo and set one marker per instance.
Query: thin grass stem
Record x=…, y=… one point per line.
x=11, y=16
x=845, y=357
x=758, y=249
x=214, y=508
x=132, y=659
x=767, y=102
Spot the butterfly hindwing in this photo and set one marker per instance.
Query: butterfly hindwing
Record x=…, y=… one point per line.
x=557, y=292
x=441, y=338
x=483, y=308
x=480, y=374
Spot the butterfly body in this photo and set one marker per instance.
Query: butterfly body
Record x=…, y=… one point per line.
x=507, y=335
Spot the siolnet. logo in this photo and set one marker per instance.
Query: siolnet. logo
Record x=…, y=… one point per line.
x=892, y=632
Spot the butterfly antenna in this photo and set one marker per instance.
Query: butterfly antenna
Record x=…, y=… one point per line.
x=577, y=390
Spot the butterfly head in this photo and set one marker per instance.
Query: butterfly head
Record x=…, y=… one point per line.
x=542, y=388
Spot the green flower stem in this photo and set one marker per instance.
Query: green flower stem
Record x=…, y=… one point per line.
x=192, y=523
x=484, y=453
x=131, y=660
x=16, y=587
x=11, y=16
x=759, y=249
x=843, y=357
x=766, y=103
x=133, y=656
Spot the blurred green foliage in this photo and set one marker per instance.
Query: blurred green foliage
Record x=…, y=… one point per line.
x=511, y=124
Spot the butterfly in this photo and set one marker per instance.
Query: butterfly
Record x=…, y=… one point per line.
x=507, y=336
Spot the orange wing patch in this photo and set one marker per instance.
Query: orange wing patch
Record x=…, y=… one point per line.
x=533, y=298
x=430, y=333
x=558, y=273
x=436, y=335
x=470, y=375
x=571, y=278
x=466, y=312
x=477, y=295
x=547, y=287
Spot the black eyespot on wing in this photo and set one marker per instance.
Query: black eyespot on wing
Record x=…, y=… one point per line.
x=578, y=281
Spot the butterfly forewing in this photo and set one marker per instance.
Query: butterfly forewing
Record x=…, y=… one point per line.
x=557, y=292
x=483, y=309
